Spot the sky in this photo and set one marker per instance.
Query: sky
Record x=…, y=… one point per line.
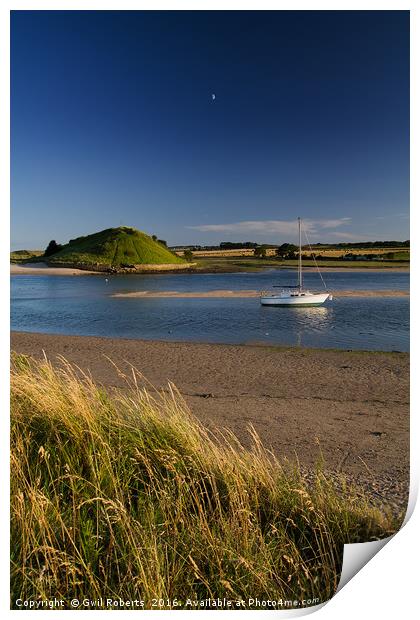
x=210, y=126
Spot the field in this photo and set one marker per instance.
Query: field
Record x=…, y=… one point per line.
x=251, y=263
x=125, y=494
x=391, y=253
x=327, y=252
x=243, y=259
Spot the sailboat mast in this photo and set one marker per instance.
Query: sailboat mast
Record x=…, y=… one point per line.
x=300, y=255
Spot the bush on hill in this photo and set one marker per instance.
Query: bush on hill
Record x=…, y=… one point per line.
x=52, y=248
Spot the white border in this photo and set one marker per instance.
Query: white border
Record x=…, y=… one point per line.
x=387, y=585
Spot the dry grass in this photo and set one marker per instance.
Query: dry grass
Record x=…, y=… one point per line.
x=337, y=253
x=126, y=495
x=403, y=253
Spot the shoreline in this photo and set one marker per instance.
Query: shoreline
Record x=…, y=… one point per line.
x=35, y=269
x=349, y=408
x=43, y=269
x=254, y=343
x=31, y=270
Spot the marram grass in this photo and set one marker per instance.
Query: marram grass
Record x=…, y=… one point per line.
x=125, y=495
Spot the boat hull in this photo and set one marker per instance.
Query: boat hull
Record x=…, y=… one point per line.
x=315, y=299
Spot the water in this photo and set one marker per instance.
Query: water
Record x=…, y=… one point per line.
x=84, y=306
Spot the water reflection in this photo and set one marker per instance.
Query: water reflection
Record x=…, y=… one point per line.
x=304, y=320
x=312, y=319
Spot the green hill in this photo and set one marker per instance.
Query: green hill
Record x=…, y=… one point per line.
x=115, y=247
x=22, y=256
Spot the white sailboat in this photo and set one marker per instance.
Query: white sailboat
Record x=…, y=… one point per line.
x=295, y=295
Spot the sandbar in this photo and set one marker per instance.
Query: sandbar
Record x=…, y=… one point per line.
x=252, y=293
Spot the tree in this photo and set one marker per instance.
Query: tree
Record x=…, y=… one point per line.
x=287, y=250
x=260, y=251
x=188, y=255
x=163, y=242
x=154, y=238
x=229, y=245
x=52, y=248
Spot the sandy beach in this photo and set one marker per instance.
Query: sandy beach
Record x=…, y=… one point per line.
x=351, y=407
x=251, y=293
x=41, y=269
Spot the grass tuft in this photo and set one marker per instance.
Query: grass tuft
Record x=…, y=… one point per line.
x=125, y=494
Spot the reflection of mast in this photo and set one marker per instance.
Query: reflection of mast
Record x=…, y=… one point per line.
x=300, y=256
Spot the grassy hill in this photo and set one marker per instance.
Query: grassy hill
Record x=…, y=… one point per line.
x=21, y=256
x=115, y=247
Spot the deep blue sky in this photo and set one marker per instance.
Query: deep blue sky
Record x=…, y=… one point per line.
x=113, y=122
